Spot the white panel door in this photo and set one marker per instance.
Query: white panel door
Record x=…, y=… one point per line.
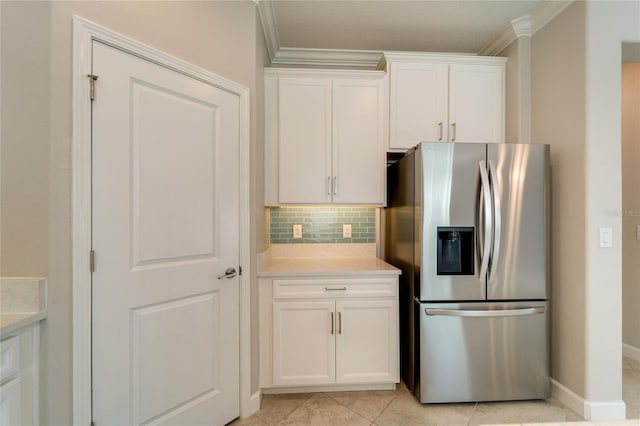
x=165, y=226
x=476, y=103
x=366, y=341
x=303, y=343
x=418, y=104
x=304, y=123
x=358, y=142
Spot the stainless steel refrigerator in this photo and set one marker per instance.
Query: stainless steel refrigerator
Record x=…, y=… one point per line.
x=468, y=224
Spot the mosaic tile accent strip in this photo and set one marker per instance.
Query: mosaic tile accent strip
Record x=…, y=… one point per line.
x=323, y=224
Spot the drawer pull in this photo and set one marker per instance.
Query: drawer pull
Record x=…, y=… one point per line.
x=335, y=289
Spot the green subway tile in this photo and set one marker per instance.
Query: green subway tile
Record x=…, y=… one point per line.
x=322, y=225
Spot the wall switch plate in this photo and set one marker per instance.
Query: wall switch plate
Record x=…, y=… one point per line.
x=606, y=237
x=346, y=230
x=297, y=231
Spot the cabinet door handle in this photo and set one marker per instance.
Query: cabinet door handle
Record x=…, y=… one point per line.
x=332, y=322
x=335, y=289
x=339, y=322
x=328, y=185
x=335, y=185
x=440, y=131
x=453, y=130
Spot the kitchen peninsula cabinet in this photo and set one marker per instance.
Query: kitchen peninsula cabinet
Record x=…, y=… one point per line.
x=325, y=137
x=327, y=331
x=445, y=98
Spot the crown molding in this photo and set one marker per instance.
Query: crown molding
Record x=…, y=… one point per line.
x=525, y=26
x=269, y=26
x=358, y=59
x=522, y=26
x=547, y=13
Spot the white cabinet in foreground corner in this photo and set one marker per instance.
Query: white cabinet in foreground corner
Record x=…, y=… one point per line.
x=19, y=377
x=325, y=137
x=445, y=98
x=329, y=332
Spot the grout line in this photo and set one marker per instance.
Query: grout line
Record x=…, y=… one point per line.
x=472, y=413
x=397, y=393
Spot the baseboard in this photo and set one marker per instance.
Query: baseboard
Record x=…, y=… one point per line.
x=253, y=405
x=329, y=388
x=589, y=410
x=567, y=397
x=608, y=410
x=631, y=352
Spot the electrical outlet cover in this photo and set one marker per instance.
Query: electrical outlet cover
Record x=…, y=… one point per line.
x=346, y=230
x=297, y=231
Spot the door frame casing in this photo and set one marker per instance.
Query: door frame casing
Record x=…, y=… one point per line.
x=85, y=33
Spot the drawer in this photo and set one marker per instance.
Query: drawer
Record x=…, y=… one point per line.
x=9, y=357
x=334, y=288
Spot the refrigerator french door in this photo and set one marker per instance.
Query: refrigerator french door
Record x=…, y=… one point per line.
x=475, y=286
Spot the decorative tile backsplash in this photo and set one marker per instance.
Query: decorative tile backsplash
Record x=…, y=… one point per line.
x=323, y=224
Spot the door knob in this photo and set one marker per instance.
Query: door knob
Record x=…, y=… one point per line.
x=228, y=273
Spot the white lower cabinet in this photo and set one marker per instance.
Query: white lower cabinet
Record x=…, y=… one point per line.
x=19, y=369
x=10, y=403
x=304, y=343
x=328, y=332
x=366, y=341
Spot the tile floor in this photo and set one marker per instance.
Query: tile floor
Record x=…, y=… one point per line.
x=399, y=407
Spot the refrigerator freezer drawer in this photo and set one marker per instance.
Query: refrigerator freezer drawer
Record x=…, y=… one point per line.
x=483, y=351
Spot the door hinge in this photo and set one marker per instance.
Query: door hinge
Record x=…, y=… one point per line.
x=92, y=261
x=92, y=86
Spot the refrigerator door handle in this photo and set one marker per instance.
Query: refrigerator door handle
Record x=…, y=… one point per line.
x=497, y=221
x=487, y=231
x=484, y=313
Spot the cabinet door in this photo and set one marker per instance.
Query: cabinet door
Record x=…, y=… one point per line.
x=367, y=341
x=358, y=142
x=10, y=403
x=419, y=104
x=304, y=148
x=476, y=103
x=303, y=343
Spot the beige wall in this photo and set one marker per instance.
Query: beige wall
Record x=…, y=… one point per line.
x=558, y=118
x=576, y=80
x=630, y=203
x=220, y=36
x=259, y=212
x=24, y=149
x=518, y=91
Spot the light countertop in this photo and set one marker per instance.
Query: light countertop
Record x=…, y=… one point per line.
x=22, y=303
x=14, y=321
x=325, y=266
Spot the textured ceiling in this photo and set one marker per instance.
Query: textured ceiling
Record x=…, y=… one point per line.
x=432, y=26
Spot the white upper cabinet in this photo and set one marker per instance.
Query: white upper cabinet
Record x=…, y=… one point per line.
x=305, y=140
x=325, y=137
x=445, y=98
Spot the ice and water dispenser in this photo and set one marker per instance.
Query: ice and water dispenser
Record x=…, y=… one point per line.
x=455, y=251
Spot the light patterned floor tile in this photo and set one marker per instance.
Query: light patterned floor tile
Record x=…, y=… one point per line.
x=321, y=410
x=405, y=410
x=249, y=421
x=518, y=412
x=276, y=407
x=369, y=404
